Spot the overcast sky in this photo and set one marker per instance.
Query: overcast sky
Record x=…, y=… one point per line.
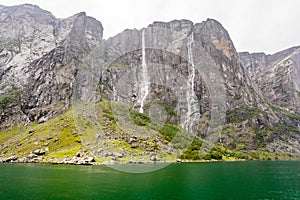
x=254, y=25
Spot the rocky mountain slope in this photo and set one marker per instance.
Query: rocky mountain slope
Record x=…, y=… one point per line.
x=277, y=76
x=171, y=90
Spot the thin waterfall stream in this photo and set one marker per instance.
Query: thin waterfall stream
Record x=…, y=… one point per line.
x=192, y=111
x=145, y=78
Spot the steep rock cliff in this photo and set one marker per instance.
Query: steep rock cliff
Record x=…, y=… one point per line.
x=170, y=76
x=39, y=55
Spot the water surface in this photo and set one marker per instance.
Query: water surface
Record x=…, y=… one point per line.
x=222, y=180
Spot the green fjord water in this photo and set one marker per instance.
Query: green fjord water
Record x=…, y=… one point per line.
x=220, y=180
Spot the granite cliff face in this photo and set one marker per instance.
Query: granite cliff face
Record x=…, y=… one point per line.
x=277, y=76
x=39, y=54
x=171, y=76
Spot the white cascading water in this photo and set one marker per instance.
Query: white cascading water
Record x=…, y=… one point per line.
x=115, y=95
x=192, y=111
x=145, y=78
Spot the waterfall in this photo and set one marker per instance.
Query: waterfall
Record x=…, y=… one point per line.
x=145, y=78
x=115, y=95
x=192, y=110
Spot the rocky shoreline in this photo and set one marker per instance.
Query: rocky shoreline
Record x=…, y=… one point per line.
x=73, y=161
x=89, y=160
x=81, y=158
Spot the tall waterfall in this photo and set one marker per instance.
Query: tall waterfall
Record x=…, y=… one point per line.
x=192, y=109
x=145, y=78
x=115, y=95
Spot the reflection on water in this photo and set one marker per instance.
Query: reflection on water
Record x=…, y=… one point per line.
x=229, y=180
